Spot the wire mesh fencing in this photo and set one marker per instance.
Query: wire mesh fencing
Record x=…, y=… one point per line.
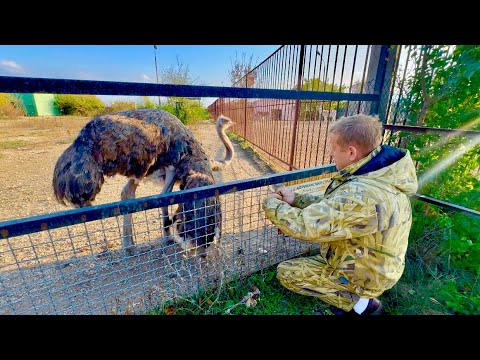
x=72, y=262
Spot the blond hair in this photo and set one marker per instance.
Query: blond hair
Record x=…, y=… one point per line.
x=365, y=131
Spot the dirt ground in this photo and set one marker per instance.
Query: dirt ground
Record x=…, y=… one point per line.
x=29, y=148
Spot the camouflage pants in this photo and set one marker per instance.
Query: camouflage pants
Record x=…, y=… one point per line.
x=313, y=276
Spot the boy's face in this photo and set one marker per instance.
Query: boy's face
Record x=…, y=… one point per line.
x=342, y=155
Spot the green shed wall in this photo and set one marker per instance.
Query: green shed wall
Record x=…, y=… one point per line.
x=29, y=103
x=39, y=104
x=45, y=104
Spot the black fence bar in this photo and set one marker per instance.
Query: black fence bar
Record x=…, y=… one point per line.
x=441, y=131
x=447, y=205
x=387, y=61
x=11, y=84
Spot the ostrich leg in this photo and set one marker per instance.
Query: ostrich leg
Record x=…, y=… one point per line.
x=170, y=178
x=128, y=192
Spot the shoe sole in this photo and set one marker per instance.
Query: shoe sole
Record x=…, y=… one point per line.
x=379, y=309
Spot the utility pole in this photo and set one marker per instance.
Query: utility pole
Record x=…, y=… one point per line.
x=156, y=69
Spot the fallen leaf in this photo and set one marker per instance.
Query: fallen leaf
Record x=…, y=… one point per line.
x=170, y=310
x=250, y=302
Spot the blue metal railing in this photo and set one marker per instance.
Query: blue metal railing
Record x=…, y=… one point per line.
x=76, y=216
x=447, y=205
x=12, y=84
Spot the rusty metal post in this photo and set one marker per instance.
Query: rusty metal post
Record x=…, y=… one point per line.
x=297, y=107
x=245, y=125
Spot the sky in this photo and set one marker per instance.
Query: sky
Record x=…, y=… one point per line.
x=209, y=64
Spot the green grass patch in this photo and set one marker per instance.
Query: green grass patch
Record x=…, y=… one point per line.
x=13, y=144
x=271, y=298
x=242, y=142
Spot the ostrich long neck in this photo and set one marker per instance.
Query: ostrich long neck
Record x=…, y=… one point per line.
x=218, y=165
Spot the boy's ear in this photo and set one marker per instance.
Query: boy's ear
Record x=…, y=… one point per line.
x=352, y=150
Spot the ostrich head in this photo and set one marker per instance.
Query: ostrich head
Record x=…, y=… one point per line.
x=224, y=122
x=77, y=178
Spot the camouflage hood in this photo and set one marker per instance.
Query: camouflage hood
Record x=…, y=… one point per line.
x=387, y=165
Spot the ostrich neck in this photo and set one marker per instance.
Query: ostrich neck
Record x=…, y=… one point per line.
x=226, y=141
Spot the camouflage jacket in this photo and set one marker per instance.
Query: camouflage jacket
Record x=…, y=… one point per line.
x=363, y=218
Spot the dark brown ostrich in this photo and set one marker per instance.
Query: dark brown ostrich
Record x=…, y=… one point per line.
x=139, y=144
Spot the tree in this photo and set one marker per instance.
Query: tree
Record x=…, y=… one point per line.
x=241, y=68
x=446, y=83
x=187, y=110
x=177, y=74
x=310, y=108
x=444, y=92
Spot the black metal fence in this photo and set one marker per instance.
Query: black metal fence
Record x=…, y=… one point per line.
x=292, y=132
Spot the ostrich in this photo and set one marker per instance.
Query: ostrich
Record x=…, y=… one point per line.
x=224, y=123
x=145, y=144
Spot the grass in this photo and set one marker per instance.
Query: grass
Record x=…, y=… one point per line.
x=406, y=298
x=257, y=294
x=13, y=144
x=447, y=295
x=431, y=284
x=241, y=141
x=42, y=129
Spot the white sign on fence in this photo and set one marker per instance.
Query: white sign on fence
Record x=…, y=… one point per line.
x=314, y=184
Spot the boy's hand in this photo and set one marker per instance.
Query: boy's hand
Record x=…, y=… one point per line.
x=284, y=194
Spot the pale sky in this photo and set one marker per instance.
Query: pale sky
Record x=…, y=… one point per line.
x=131, y=63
